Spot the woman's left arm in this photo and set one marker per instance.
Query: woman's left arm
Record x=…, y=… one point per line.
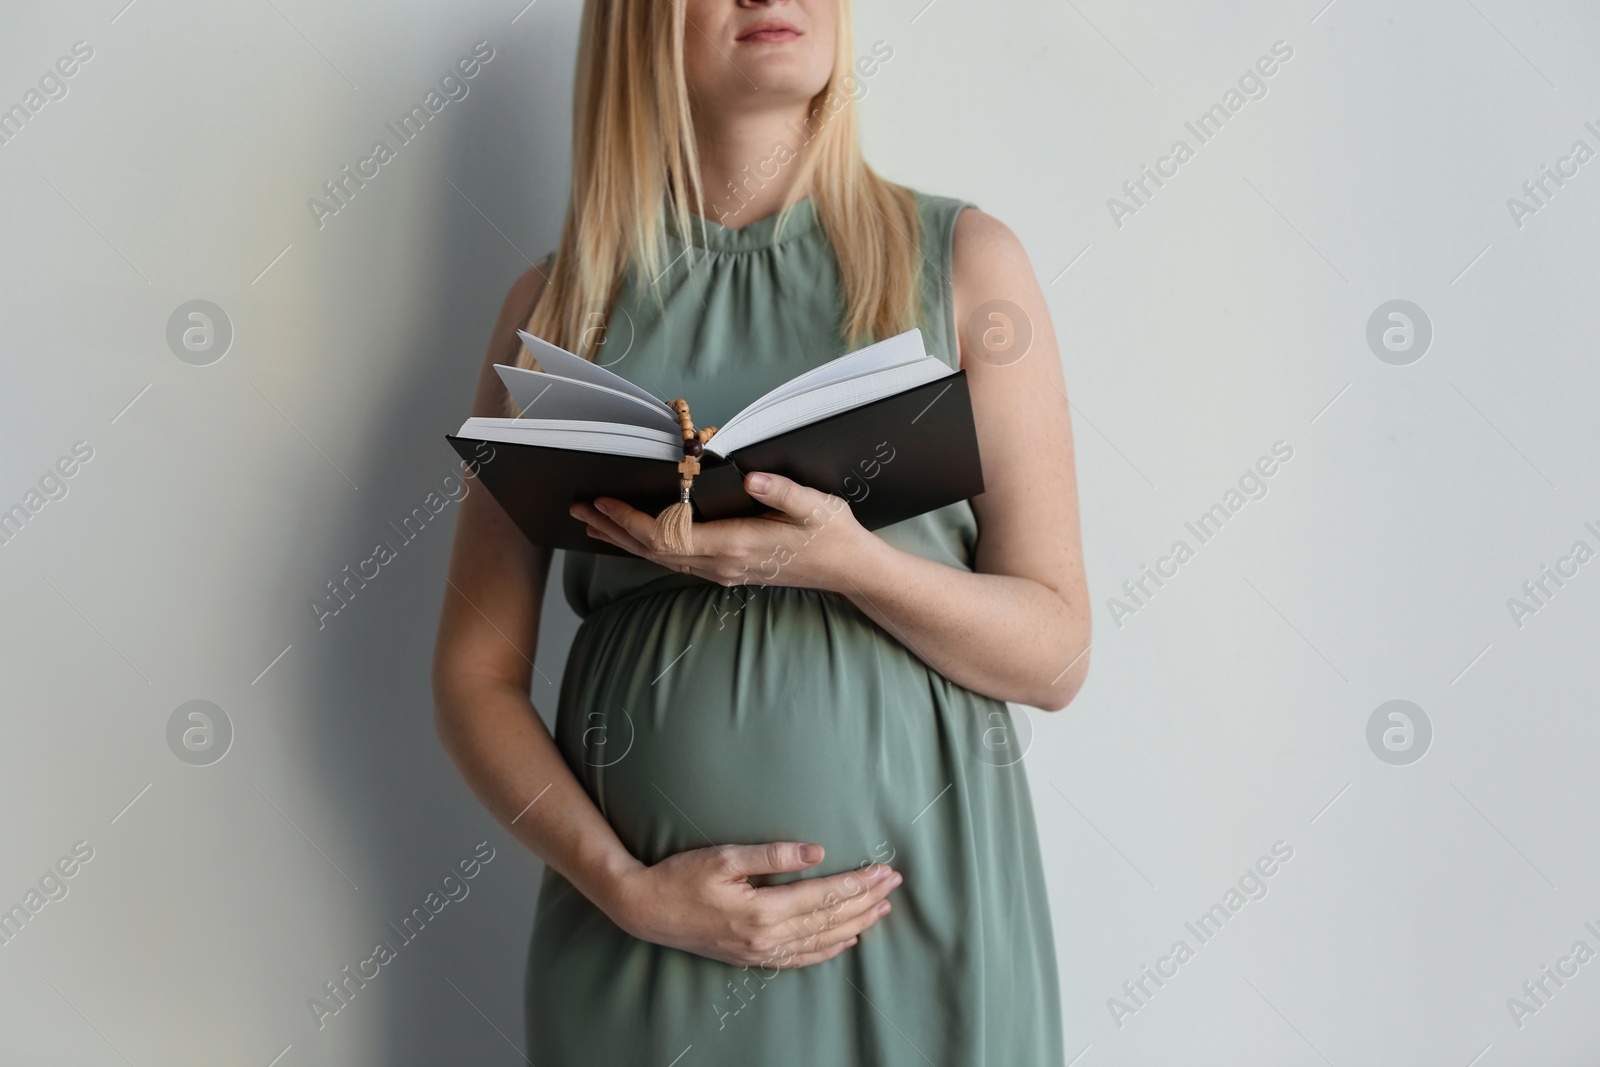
x=1018, y=627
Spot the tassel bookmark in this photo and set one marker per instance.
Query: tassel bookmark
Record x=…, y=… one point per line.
x=674, y=528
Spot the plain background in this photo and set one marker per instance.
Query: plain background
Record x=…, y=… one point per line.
x=1228, y=713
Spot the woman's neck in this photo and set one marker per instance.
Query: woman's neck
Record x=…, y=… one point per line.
x=749, y=163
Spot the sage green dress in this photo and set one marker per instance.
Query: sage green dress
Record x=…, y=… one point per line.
x=697, y=714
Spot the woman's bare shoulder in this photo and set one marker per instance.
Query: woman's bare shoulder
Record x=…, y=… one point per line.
x=982, y=242
x=515, y=311
x=988, y=263
x=524, y=294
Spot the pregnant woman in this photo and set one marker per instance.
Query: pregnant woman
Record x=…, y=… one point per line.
x=783, y=811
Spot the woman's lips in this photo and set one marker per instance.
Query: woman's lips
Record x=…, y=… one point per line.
x=769, y=32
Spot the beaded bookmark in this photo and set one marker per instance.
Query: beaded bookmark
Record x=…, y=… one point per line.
x=674, y=528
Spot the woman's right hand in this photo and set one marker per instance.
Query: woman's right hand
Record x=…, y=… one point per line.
x=702, y=901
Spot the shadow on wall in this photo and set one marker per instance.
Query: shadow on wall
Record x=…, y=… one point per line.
x=453, y=991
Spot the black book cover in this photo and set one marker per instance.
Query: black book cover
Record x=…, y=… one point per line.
x=891, y=459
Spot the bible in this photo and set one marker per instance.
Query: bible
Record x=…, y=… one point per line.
x=888, y=428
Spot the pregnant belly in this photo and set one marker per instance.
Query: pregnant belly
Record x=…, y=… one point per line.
x=702, y=716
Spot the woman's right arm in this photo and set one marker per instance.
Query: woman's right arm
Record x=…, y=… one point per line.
x=700, y=901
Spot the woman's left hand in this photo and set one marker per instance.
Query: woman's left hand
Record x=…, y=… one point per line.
x=812, y=539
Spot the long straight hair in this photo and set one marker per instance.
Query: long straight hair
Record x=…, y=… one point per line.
x=634, y=164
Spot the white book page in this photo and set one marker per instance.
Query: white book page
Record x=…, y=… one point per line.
x=580, y=435
x=604, y=412
x=817, y=404
x=560, y=362
x=891, y=352
x=547, y=396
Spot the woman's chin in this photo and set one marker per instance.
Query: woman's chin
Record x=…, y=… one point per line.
x=774, y=69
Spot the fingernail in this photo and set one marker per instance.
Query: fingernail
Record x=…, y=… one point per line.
x=603, y=506
x=573, y=511
x=759, y=483
x=883, y=909
x=811, y=853
x=896, y=880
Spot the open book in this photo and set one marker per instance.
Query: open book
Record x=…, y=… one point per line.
x=888, y=428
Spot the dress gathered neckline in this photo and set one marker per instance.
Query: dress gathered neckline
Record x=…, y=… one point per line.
x=753, y=236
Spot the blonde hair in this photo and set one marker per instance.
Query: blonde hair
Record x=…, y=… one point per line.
x=634, y=167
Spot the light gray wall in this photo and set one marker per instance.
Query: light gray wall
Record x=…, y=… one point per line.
x=1228, y=713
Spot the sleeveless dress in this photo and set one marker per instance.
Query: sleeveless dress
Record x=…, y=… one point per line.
x=697, y=714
